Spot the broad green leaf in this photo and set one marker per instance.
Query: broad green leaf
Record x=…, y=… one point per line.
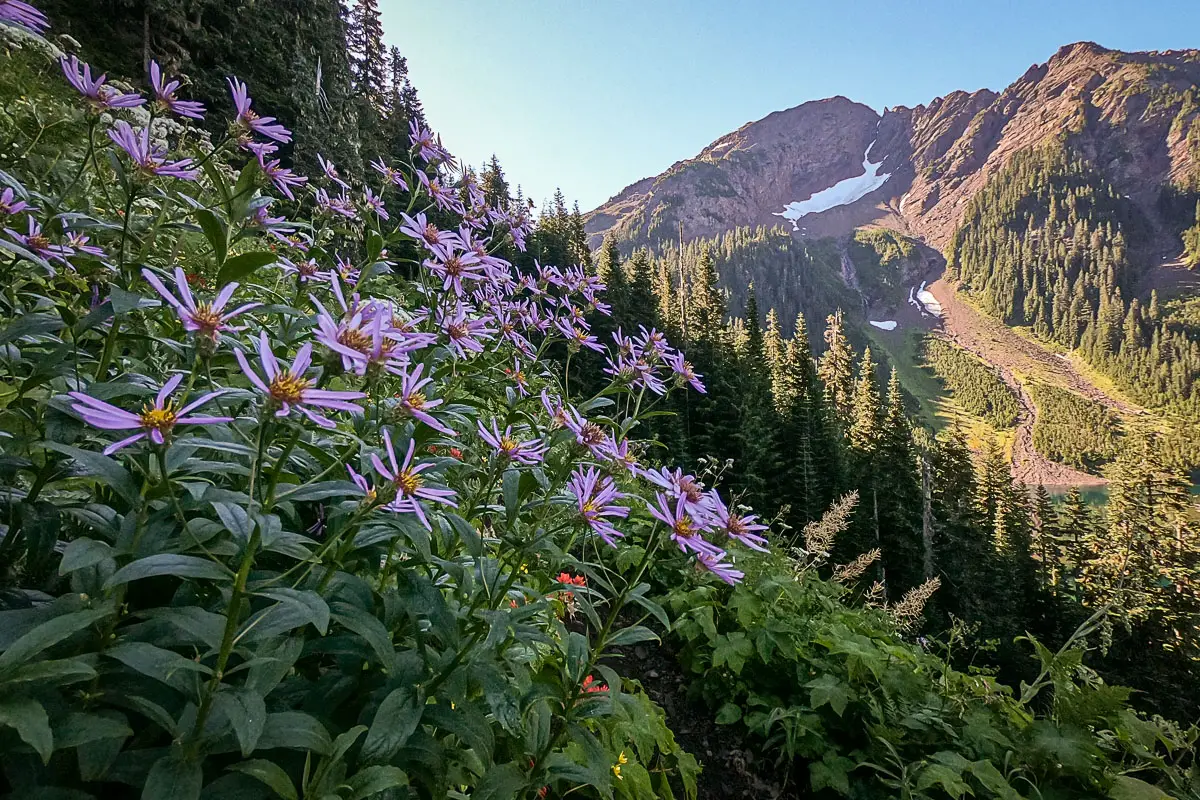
x=369, y=628
x=47, y=634
x=247, y=714
x=940, y=775
x=373, y=780
x=62, y=672
x=322, y=490
x=174, y=777
x=398, y=716
x=732, y=650
x=30, y=325
x=828, y=689
x=83, y=553
x=32, y=725
x=241, y=266
x=163, y=665
x=511, y=492
x=216, y=233
x=104, y=468
x=294, y=730
x=728, y=714
x=235, y=519
x=1126, y=787
x=632, y=635
x=123, y=302
x=314, y=606
x=500, y=782
x=271, y=774
x=173, y=564
x=79, y=729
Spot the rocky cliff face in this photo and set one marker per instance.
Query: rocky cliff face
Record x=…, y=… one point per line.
x=1135, y=116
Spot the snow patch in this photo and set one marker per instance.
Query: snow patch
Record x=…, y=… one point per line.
x=928, y=303
x=840, y=194
x=887, y=325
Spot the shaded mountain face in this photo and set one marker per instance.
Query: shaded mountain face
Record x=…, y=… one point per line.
x=830, y=166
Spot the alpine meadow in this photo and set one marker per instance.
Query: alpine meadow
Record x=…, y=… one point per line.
x=852, y=457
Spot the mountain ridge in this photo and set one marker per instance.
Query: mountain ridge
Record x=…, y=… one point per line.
x=1132, y=113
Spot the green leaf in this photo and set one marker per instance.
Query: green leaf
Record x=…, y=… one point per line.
x=31, y=722
x=828, y=689
x=374, y=246
x=123, y=302
x=271, y=774
x=62, y=672
x=322, y=490
x=949, y=779
x=174, y=777
x=83, y=553
x=502, y=781
x=369, y=628
x=311, y=603
x=373, y=780
x=241, y=266
x=79, y=729
x=235, y=519
x=294, y=730
x=732, y=650
x=511, y=492
x=166, y=564
x=1128, y=788
x=48, y=634
x=247, y=714
x=101, y=466
x=216, y=233
x=397, y=718
x=729, y=714
x=30, y=325
x=632, y=635
x=163, y=665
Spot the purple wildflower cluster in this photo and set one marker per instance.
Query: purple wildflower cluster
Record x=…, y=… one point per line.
x=16, y=12
x=473, y=304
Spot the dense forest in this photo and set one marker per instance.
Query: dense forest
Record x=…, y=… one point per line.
x=1050, y=245
x=971, y=382
x=513, y=517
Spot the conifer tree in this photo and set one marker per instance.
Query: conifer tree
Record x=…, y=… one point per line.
x=836, y=369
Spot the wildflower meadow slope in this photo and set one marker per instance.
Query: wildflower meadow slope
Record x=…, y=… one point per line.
x=297, y=503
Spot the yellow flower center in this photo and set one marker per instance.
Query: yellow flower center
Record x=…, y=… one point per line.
x=456, y=331
x=591, y=433
x=416, y=400
x=287, y=388
x=454, y=266
x=590, y=508
x=159, y=419
x=408, y=482
x=209, y=321
x=684, y=527
x=508, y=445
x=355, y=339
x=37, y=242
x=431, y=233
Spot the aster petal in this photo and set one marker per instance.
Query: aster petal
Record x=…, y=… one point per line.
x=270, y=365
x=223, y=297
x=250, y=373
x=324, y=422
x=115, y=446
x=387, y=442
x=201, y=401
x=302, y=360
x=203, y=420
x=153, y=280
x=241, y=309
x=161, y=398
x=106, y=421
x=380, y=468
x=185, y=291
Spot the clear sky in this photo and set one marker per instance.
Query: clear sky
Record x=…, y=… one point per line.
x=592, y=95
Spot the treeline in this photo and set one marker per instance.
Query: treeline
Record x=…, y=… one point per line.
x=321, y=65
x=804, y=425
x=1073, y=429
x=971, y=382
x=885, y=261
x=1047, y=244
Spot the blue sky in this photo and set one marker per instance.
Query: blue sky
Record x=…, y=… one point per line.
x=592, y=95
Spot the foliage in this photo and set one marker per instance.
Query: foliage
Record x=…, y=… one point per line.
x=971, y=382
x=884, y=261
x=1073, y=429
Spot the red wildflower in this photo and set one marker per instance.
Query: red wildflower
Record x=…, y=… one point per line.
x=591, y=687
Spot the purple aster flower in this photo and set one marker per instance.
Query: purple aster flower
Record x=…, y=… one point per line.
x=429, y=147
x=415, y=402
x=342, y=206
x=714, y=563
x=518, y=378
x=652, y=342
x=10, y=206
x=39, y=243
x=251, y=121
x=24, y=15
x=743, y=529
x=362, y=483
x=331, y=171
x=465, y=332
x=588, y=434
x=150, y=158
x=157, y=421
x=305, y=271
x=209, y=320
x=685, y=530
x=440, y=243
x=577, y=337
x=409, y=483
x=290, y=388
x=390, y=175
x=618, y=453
x=558, y=411
x=375, y=203
x=685, y=487
x=444, y=197
x=164, y=95
x=346, y=269
x=527, y=453
x=283, y=178
x=684, y=374
x=454, y=270
x=78, y=241
x=594, y=498
x=99, y=94
x=386, y=348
